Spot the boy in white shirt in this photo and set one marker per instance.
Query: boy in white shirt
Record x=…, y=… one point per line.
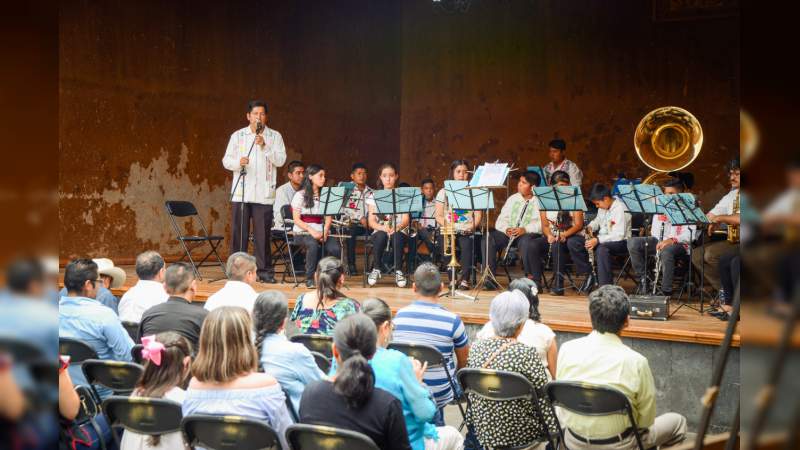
x=612, y=229
x=356, y=210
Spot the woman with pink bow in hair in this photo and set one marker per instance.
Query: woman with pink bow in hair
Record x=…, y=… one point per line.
x=167, y=359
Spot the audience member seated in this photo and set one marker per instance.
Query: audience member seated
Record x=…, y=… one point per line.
x=602, y=359
x=534, y=333
x=401, y=376
x=167, y=357
x=148, y=291
x=84, y=318
x=225, y=374
x=177, y=313
x=110, y=277
x=317, y=312
x=291, y=363
x=427, y=322
x=350, y=400
x=238, y=290
x=509, y=423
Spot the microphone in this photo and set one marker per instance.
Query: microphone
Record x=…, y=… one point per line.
x=259, y=127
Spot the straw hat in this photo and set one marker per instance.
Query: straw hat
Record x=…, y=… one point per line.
x=106, y=267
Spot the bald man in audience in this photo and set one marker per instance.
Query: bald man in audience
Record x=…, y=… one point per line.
x=148, y=291
x=602, y=359
x=238, y=291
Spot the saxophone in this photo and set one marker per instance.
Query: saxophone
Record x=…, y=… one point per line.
x=733, y=230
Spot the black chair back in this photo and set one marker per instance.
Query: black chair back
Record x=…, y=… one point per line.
x=150, y=416
x=120, y=377
x=315, y=342
x=133, y=330
x=313, y=437
x=228, y=432
x=136, y=354
x=421, y=352
x=286, y=213
x=77, y=350
x=590, y=400
x=179, y=208
x=323, y=362
x=22, y=352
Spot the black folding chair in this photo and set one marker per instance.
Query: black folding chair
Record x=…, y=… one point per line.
x=316, y=343
x=119, y=376
x=286, y=247
x=314, y=437
x=323, y=362
x=22, y=352
x=290, y=406
x=434, y=358
x=149, y=416
x=77, y=350
x=589, y=400
x=183, y=209
x=136, y=354
x=133, y=330
x=228, y=432
x=503, y=386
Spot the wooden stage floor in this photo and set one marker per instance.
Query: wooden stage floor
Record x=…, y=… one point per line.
x=568, y=313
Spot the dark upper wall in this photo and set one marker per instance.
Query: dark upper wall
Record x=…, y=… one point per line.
x=151, y=91
x=501, y=80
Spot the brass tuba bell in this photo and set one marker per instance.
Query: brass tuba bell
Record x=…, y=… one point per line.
x=668, y=139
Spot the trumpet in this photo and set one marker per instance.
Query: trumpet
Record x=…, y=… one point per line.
x=448, y=231
x=513, y=238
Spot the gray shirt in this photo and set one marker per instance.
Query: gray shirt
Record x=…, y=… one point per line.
x=283, y=196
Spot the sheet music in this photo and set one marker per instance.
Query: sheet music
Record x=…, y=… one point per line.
x=490, y=174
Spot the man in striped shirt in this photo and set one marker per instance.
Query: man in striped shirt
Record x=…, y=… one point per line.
x=427, y=322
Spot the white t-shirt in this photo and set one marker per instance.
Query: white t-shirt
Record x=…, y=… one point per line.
x=169, y=441
x=234, y=293
x=385, y=219
x=141, y=297
x=534, y=334
x=298, y=204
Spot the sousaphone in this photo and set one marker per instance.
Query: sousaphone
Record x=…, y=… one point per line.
x=667, y=139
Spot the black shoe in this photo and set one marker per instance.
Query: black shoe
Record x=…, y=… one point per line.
x=667, y=294
x=489, y=285
x=723, y=317
x=557, y=291
x=718, y=313
x=351, y=269
x=310, y=284
x=588, y=285
x=270, y=279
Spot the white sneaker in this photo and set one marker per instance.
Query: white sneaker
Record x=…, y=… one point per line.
x=400, y=279
x=373, y=277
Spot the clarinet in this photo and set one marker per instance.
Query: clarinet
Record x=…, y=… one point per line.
x=590, y=235
x=519, y=220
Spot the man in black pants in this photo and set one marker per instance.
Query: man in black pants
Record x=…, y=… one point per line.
x=268, y=153
x=612, y=228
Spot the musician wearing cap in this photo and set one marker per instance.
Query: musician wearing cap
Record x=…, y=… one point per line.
x=260, y=182
x=725, y=212
x=558, y=161
x=666, y=241
x=518, y=224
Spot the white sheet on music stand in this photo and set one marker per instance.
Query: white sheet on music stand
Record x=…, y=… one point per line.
x=490, y=174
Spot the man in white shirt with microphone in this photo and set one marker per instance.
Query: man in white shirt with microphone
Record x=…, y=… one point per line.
x=260, y=151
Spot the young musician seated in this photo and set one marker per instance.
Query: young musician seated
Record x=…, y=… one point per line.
x=312, y=230
x=519, y=220
x=558, y=161
x=356, y=212
x=295, y=173
x=666, y=240
x=612, y=228
x=426, y=223
x=563, y=232
x=385, y=226
x=465, y=223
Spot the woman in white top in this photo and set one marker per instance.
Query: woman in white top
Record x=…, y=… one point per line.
x=167, y=358
x=534, y=333
x=311, y=229
x=385, y=226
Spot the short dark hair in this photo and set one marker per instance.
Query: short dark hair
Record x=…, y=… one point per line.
x=294, y=165
x=178, y=278
x=78, y=272
x=676, y=183
x=559, y=144
x=256, y=103
x=599, y=191
x=22, y=273
x=559, y=176
x=734, y=165
x=428, y=280
x=358, y=165
x=426, y=181
x=608, y=308
x=148, y=264
x=533, y=178
x=403, y=184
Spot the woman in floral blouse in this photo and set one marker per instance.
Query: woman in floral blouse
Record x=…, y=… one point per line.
x=317, y=312
x=512, y=423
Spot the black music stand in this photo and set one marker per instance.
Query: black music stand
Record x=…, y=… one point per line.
x=682, y=209
x=641, y=198
x=560, y=198
x=403, y=200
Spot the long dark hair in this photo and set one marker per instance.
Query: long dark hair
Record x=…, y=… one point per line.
x=388, y=165
x=456, y=163
x=529, y=288
x=377, y=310
x=355, y=338
x=329, y=271
x=157, y=380
x=269, y=312
x=308, y=186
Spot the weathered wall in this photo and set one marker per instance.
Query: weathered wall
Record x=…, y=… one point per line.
x=151, y=91
x=503, y=79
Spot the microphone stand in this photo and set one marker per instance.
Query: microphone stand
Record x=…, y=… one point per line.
x=242, y=175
